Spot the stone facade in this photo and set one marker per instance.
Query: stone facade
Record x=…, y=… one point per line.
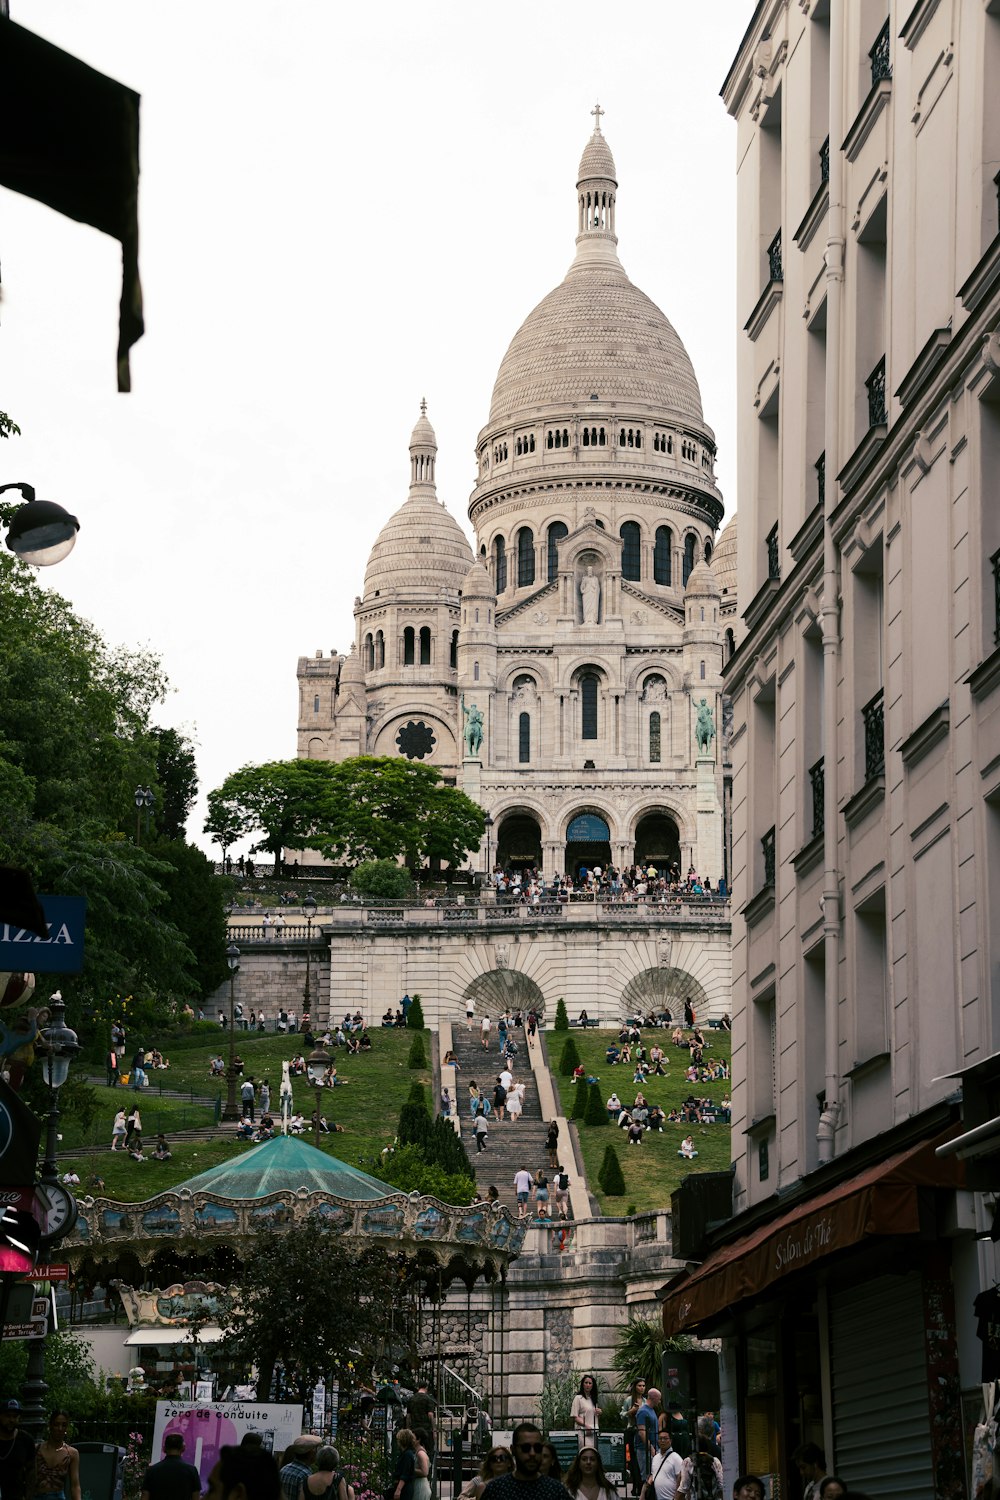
x=557, y=670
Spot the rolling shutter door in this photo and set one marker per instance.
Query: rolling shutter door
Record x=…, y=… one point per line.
x=881, y=1424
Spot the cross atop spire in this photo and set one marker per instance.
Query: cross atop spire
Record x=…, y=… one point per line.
x=597, y=112
x=423, y=406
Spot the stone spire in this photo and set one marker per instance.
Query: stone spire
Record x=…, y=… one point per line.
x=596, y=188
x=423, y=454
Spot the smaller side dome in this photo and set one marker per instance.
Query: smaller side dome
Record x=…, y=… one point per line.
x=702, y=583
x=724, y=556
x=597, y=160
x=352, y=670
x=477, y=583
x=423, y=436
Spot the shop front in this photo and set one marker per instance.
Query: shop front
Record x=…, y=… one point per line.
x=837, y=1316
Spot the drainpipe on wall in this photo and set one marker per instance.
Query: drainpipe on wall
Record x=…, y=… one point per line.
x=830, y=614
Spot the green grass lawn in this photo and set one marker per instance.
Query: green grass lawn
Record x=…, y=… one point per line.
x=367, y=1106
x=653, y=1170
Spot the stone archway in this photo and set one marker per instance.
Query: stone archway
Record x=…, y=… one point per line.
x=519, y=841
x=658, y=841
x=504, y=989
x=588, y=842
x=656, y=990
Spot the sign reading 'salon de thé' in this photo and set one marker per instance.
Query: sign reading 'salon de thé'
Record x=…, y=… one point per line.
x=61, y=952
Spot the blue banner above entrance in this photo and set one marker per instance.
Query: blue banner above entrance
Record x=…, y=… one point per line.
x=588, y=828
x=59, y=953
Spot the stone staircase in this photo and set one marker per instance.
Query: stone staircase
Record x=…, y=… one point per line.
x=510, y=1146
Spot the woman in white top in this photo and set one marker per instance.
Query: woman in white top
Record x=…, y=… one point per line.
x=586, y=1479
x=585, y=1411
x=515, y=1102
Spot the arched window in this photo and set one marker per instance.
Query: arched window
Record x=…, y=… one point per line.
x=524, y=738
x=702, y=674
x=548, y=440
x=525, y=557
x=531, y=443
x=661, y=554
x=453, y=654
x=557, y=531
x=638, y=437
x=689, y=545
x=621, y=438
x=369, y=653
x=408, y=642
x=379, y=649
x=588, y=707
x=565, y=438
x=654, y=738
x=586, y=437
x=708, y=551
x=425, y=645
x=316, y=704
x=730, y=644
x=631, y=551
x=602, y=437
x=500, y=564
x=475, y=671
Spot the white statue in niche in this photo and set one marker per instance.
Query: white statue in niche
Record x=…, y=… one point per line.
x=655, y=690
x=590, y=595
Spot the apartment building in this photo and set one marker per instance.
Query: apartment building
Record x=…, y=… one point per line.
x=865, y=692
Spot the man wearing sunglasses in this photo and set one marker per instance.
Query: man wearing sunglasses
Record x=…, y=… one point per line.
x=526, y=1482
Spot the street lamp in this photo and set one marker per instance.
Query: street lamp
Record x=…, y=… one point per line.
x=40, y=532
x=317, y=1066
x=231, y=1112
x=143, y=799
x=488, y=824
x=57, y=1201
x=308, y=911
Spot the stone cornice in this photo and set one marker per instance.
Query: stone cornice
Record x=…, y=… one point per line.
x=670, y=611
x=686, y=499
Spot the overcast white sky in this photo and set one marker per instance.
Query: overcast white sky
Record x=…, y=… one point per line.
x=342, y=208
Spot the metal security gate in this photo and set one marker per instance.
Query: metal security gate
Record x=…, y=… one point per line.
x=881, y=1421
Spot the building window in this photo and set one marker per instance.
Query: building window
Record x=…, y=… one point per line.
x=588, y=707
x=525, y=557
x=708, y=552
x=524, y=738
x=316, y=704
x=654, y=738
x=379, y=649
x=557, y=531
x=500, y=564
x=408, y=646
x=631, y=551
x=453, y=653
x=425, y=645
x=690, y=542
x=702, y=672
x=661, y=554
x=369, y=653
x=475, y=671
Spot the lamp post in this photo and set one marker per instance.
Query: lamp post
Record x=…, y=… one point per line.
x=143, y=799
x=58, y=1203
x=231, y=1111
x=317, y=1065
x=308, y=911
x=40, y=531
x=488, y=824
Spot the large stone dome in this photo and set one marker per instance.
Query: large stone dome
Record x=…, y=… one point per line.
x=596, y=335
x=421, y=547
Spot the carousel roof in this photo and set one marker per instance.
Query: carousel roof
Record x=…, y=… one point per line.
x=286, y=1163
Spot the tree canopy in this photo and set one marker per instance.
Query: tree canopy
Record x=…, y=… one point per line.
x=368, y=808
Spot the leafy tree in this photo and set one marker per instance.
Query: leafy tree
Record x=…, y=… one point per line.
x=561, y=1022
x=382, y=880
x=415, y=1019
x=282, y=801
x=444, y=1147
x=387, y=808
x=596, y=1112
x=177, y=779
x=414, y=1123
x=569, y=1061
x=195, y=905
x=417, y=1057
x=406, y=1167
x=610, y=1178
x=285, y=1312
x=69, y=1368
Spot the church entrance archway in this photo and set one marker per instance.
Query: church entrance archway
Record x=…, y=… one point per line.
x=504, y=989
x=658, y=843
x=519, y=842
x=588, y=843
x=654, y=991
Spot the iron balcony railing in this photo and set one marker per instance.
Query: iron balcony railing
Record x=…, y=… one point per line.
x=873, y=718
x=995, y=565
x=820, y=467
x=878, y=415
x=774, y=270
x=771, y=543
x=824, y=161
x=880, y=56
x=817, y=782
x=767, y=850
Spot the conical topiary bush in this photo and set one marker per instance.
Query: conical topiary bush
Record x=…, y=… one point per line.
x=596, y=1112
x=579, y=1109
x=561, y=1022
x=610, y=1178
x=570, y=1059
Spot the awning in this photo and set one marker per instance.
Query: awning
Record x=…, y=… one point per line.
x=881, y=1200
x=150, y=1336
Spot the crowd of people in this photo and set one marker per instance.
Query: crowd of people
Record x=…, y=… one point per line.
x=648, y=884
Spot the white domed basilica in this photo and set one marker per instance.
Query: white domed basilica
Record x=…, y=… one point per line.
x=566, y=674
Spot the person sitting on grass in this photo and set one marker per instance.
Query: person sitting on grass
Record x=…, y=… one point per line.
x=687, y=1148
x=578, y=1073
x=612, y=1054
x=216, y=1068
x=244, y=1129
x=656, y=1119
x=365, y=1041
x=614, y=1107
x=161, y=1151
x=635, y=1133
